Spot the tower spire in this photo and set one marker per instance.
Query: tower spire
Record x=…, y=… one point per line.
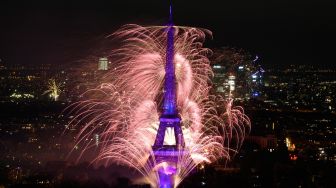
x=169, y=104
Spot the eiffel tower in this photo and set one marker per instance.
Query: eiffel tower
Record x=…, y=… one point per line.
x=168, y=155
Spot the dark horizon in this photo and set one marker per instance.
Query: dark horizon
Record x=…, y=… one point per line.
x=280, y=32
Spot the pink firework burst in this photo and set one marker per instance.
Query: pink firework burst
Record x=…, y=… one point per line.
x=124, y=110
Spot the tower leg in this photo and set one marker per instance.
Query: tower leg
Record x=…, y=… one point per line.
x=160, y=136
x=166, y=179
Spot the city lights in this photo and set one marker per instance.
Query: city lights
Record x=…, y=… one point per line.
x=87, y=101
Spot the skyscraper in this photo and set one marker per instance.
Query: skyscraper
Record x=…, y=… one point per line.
x=103, y=63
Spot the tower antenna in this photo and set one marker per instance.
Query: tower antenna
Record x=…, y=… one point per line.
x=170, y=12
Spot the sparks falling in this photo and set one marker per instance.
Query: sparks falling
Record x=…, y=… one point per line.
x=125, y=109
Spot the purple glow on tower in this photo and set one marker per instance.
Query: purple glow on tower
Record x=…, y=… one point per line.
x=164, y=154
x=169, y=105
x=169, y=117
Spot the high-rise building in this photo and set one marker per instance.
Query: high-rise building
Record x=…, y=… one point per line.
x=103, y=63
x=231, y=82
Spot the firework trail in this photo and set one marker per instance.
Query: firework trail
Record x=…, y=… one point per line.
x=125, y=109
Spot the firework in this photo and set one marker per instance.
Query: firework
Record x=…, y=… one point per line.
x=54, y=89
x=124, y=110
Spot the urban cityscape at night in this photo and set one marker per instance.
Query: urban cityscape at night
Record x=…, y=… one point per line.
x=166, y=94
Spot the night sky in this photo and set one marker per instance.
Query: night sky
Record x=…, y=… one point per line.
x=280, y=31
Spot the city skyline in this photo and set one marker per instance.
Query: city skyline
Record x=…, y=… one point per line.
x=125, y=94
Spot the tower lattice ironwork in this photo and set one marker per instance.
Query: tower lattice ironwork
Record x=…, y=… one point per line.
x=170, y=119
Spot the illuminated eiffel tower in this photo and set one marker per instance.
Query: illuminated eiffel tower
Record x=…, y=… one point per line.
x=168, y=155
